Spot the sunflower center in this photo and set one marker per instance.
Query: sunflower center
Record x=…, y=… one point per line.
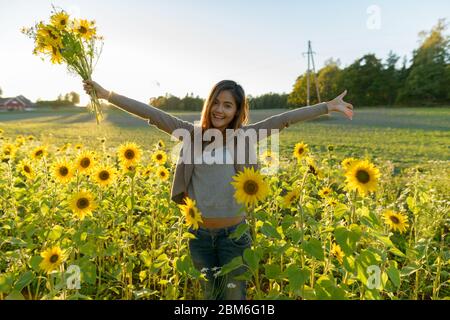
x=38, y=153
x=63, y=22
x=159, y=157
x=300, y=150
x=192, y=213
x=82, y=203
x=82, y=29
x=362, y=176
x=250, y=187
x=129, y=154
x=85, y=162
x=394, y=219
x=54, y=258
x=104, y=175
x=27, y=169
x=63, y=171
x=312, y=169
x=162, y=174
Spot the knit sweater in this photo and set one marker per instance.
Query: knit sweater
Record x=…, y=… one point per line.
x=169, y=123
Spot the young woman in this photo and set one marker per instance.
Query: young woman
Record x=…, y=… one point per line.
x=209, y=184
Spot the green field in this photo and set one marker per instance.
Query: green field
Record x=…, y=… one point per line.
x=405, y=136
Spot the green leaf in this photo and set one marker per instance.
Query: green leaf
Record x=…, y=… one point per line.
x=297, y=278
x=146, y=259
x=273, y=271
x=5, y=283
x=252, y=258
x=339, y=210
x=327, y=290
x=314, y=248
x=231, y=266
x=409, y=269
x=347, y=238
x=240, y=230
x=34, y=262
x=88, y=272
x=24, y=280
x=55, y=233
x=394, y=275
x=15, y=295
x=270, y=231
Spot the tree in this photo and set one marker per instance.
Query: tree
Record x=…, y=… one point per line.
x=74, y=97
x=428, y=80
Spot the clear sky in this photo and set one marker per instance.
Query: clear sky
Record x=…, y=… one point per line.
x=188, y=46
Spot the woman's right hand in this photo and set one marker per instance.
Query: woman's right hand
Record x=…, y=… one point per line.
x=90, y=85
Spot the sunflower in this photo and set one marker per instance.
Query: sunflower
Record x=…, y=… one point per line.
x=85, y=29
x=300, y=150
x=128, y=168
x=331, y=202
x=362, y=176
x=191, y=213
x=325, y=192
x=269, y=158
x=8, y=151
x=160, y=157
x=147, y=171
x=30, y=138
x=78, y=146
x=162, y=173
x=250, y=187
x=47, y=37
x=60, y=20
x=25, y=168
x=85, y=161
x=56, y=57
x=52, y=259
x=104, y=175
x=396, y=221
x=290, y=197
x=347, y=163
x=313, y=168
x=62, y=171
x=82, y=203
x=20, y=140
x=161, y=144
x=129, y=153
x=337, y=252
x=39, y=153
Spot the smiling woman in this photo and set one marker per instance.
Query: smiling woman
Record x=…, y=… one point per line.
x=207, y=188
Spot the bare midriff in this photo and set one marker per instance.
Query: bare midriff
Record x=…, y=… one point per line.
x=215, y=223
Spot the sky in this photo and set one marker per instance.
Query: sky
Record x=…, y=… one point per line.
x=183, y=47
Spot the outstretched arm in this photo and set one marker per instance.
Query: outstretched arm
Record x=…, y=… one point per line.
x=283, y=120
x=163, y=120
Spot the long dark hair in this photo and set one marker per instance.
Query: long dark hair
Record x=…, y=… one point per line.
x=241, y=116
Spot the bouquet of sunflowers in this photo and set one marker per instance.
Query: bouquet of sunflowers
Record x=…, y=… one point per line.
x=73, y=42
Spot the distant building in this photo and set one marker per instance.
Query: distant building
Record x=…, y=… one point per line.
x=15, y=103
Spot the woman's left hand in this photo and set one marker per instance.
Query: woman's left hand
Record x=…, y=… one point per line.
x=339, y=105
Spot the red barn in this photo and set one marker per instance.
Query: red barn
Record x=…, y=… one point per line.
x=16, y=103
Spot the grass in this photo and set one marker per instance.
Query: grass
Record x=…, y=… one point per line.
x=405, y=136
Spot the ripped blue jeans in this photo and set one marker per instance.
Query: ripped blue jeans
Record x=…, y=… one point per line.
x=212, y=249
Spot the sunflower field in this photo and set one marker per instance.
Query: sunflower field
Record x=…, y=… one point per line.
x=97, y=223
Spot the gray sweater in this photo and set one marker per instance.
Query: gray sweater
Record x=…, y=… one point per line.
x=168, y=123
x=210, y=186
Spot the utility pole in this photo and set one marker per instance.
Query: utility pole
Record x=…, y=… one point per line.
x=310, y=54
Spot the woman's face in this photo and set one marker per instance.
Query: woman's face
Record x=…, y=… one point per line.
x=223, y=110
